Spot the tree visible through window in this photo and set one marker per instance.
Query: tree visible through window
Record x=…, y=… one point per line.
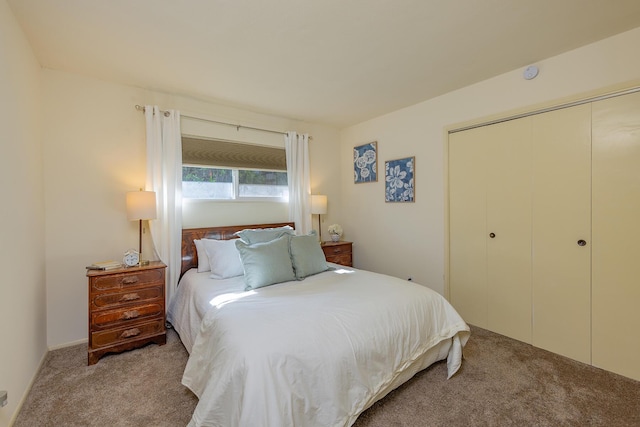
x=201, y=174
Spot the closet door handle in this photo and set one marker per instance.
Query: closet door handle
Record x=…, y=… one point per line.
x=492, y=235
x=582, y=242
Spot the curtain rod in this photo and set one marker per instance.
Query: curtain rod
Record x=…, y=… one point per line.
x=238, y=127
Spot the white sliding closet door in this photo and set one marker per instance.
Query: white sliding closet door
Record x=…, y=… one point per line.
x=508, y=230
x=616, y=235
x=467, y=225
x=561, y=231
x=490, y=227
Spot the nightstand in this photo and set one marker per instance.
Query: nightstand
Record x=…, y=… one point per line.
x=126, y=309
x=338, y=252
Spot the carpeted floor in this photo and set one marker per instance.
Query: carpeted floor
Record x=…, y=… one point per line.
x=502, y=383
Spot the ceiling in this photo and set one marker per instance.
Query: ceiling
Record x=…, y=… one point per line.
x=336, y=62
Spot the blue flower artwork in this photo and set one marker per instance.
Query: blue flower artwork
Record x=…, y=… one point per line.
x=365, y=163
x=399, y=175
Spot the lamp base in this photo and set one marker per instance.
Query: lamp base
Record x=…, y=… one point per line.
x=142, y=262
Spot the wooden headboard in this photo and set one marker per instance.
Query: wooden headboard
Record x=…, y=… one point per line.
x=189, y=254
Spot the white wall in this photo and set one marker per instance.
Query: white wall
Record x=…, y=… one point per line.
x=204, y=213
x=22, y=288
x=94, y=147
x=409, y=239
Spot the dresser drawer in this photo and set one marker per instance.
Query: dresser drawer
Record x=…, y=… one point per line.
x=342, y=259
x=124, y=334
x=127, y=280
x=124, y=316
x=132, y=296
x=337, y=250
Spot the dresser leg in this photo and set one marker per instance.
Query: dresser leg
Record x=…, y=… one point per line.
x=92, y=359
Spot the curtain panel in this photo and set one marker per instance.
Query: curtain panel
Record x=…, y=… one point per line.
x=297, y=152
x=164, y=176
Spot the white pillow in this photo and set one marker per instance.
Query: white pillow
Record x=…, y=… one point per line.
x=203, y=258
x=224, y=258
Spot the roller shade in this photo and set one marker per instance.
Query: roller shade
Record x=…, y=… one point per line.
x=212, y=152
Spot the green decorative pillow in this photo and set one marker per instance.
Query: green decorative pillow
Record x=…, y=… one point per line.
x=307, y=255
x=261, y=235
x=266, y=263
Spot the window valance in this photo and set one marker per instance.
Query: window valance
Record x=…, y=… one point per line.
x=212, y=152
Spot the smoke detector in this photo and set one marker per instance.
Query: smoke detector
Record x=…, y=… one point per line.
x=530, y=72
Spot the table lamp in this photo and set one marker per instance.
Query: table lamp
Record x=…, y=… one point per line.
x=141, y=206
x=319, y=207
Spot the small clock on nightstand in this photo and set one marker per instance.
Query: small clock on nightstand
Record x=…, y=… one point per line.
x=131, y=258
x=338, y=252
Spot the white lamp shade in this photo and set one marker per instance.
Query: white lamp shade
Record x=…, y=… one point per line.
x=318, y=204
x=141, y=205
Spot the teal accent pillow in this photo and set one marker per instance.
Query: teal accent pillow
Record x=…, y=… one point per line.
x=261, y=235
x=266, y=263
x=307, y=255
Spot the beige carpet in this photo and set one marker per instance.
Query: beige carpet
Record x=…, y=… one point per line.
x=502, y=383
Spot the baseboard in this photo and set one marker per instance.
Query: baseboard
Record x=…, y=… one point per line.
x=33, y=378
x=27, y=390
x=69, y=344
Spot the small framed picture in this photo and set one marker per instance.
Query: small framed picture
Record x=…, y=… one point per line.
x=365, y=163
x=399, y=178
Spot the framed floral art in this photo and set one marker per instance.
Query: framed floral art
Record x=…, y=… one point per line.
x=365, y=163
x=399, y=180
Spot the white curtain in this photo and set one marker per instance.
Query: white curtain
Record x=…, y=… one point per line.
x=297, y=150
x=164, y=176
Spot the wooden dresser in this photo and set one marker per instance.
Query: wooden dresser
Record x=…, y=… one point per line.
x=338, y=252
x=126, y=309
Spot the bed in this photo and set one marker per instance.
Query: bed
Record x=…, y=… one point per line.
x=316, y=351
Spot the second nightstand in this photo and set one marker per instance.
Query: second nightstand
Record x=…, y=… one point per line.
x=338, y=252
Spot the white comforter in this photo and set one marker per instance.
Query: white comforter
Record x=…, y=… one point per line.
x=312, y=353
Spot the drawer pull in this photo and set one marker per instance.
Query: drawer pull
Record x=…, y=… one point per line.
x=337, y=250
x=130, y=333
x=130, y=280
x=132, y=314
x=129, y=297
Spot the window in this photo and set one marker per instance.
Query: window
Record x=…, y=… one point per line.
x=225, y=170
x=261, y=183
x=206, y=182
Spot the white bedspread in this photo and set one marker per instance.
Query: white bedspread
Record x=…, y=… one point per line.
x=312, y=353
x=192, y=301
